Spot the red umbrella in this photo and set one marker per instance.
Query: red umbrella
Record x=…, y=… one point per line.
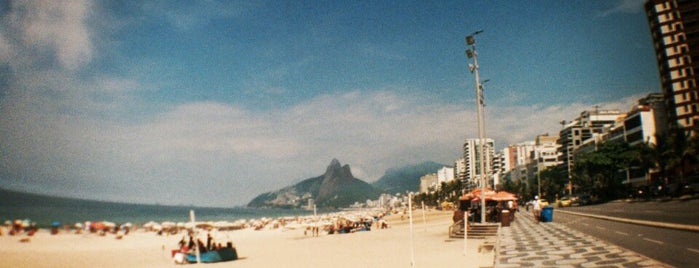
x=97, y=226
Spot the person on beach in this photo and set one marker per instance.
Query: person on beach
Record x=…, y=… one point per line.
x=209, y=239
x=191, y=241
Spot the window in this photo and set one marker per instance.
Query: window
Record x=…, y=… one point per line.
x=632, y=122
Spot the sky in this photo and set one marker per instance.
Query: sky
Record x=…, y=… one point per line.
x=210, y=103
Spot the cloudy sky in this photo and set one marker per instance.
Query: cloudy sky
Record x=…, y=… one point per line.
x=214, y=102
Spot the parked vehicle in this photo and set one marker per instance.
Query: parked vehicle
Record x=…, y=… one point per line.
x=581, y=200
x=565, y=202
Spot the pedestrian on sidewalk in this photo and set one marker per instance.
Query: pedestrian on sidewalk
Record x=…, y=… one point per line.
x=536, y=207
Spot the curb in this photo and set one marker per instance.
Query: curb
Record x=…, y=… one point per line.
x=675, y=226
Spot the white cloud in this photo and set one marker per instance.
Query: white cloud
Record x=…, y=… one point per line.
x=623, y=6
x=187, y=16
x=54, y=27
x=194, y=151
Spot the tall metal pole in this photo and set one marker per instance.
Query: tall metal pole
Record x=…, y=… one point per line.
x=470, y=40
x=538, y=179
x=196, y=235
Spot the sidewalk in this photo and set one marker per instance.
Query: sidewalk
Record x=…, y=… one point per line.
x=528, y=244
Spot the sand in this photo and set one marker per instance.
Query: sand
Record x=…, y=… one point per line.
x=267, y=248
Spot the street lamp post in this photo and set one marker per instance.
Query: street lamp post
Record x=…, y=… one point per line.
x=472, y=54
x=538, y=178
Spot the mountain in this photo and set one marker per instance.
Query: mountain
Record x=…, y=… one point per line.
x=334, y=189
x=407, y=178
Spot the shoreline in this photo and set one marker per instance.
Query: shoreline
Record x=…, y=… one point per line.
x=287, y=247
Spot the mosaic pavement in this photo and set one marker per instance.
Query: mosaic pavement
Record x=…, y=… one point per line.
x=528, y=244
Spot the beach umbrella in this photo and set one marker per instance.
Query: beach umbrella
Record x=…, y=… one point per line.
x=97, y=225
x=55, y=224
x=168, y=225
x=149, y=225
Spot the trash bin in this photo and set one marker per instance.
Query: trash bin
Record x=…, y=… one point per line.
x=505, y=218
x=547, y=214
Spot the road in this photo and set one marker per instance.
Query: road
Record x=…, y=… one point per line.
x=674, y=211
x=674, y=247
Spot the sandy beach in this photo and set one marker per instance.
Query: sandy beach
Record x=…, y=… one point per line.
x=266, y=248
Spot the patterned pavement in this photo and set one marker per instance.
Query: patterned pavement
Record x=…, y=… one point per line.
x=549, y=244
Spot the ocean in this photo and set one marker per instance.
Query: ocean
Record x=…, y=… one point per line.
x=43, y=210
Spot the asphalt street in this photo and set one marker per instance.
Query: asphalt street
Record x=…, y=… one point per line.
x=674, y=247
x=669, y=211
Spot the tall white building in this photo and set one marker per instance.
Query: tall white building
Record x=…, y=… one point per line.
x=428, y=183
x=445, y=174
x=460, y=169
x=575, y=132
x=472, y=162
x=516, y=159
x=546, y=152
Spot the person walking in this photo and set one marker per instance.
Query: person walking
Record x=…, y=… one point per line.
x=536, y=207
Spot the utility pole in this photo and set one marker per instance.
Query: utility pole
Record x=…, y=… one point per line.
x=472, y=54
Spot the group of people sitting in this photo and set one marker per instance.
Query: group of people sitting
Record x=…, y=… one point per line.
x=211, y=245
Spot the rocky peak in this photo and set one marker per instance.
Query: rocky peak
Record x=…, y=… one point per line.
x=336, y=171
x=336, y=188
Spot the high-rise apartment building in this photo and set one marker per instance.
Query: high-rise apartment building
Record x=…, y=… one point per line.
x=576, y=132
x=471, y=151
x=460, y=169
x=516, y=158
x=674, y=27
x=546, y=152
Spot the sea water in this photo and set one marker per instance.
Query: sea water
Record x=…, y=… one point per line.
x=45, y=210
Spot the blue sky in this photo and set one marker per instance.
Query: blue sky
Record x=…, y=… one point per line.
x=213, y=102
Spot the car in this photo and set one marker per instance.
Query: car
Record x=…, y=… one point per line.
x=565, y=202
x=581, y=200
x=543, y=203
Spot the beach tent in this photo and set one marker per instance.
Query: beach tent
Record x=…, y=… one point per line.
x=475, y=195
x=224, y=254
x=503, y=196
x=490, y=195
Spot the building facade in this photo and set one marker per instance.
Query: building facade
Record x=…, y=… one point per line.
x=460, y=169
x=576, y=132
x=471, y=157
x=546, y=151
x=517, y=157
x=674, y=27
x=445, y=174
x=428, y=183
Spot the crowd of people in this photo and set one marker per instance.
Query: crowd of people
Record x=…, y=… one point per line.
x=20, y=227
